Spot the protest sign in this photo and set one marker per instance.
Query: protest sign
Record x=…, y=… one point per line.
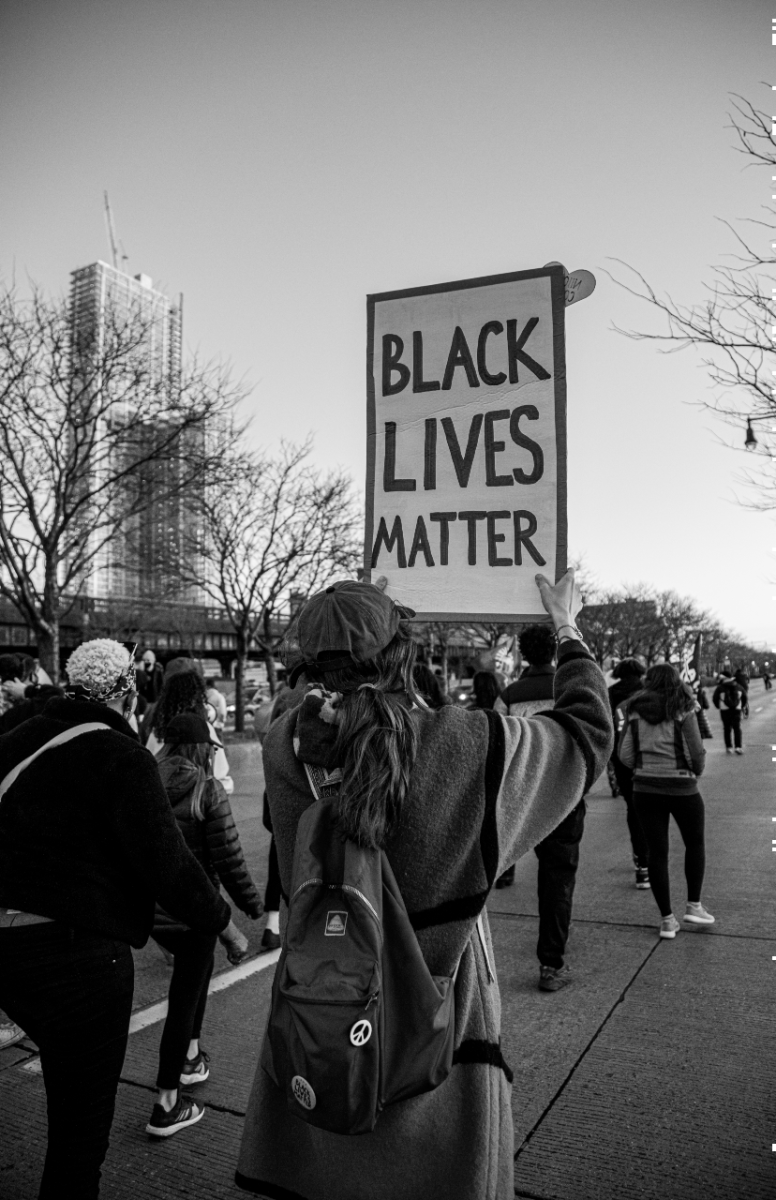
x=466, y=444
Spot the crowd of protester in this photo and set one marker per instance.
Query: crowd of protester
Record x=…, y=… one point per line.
x=116, y=826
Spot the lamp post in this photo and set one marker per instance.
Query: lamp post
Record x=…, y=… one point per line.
x=750, y=441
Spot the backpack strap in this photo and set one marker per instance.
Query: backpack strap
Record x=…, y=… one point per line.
x=60, y=740
x=634, y=728
x=324, y=784
x=681, y=757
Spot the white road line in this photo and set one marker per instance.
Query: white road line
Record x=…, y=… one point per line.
x=760, y=709
x=157, y=1012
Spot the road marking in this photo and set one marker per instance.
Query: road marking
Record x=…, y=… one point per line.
x=157, y=1012
x=760, y=709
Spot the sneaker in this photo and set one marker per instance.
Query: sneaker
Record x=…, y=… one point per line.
x=552, y=979
x=642, y=878
x=728, y=750
x=696, y=914
x=669, y=927
x=739, y=749
x=270, y=940
x=195, y=1070
x=10, y=1034
x=184, y=1112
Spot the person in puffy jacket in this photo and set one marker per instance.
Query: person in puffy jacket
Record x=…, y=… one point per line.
x=204, y=816
x=732, y=700
x=661, y=743
x=183, y=692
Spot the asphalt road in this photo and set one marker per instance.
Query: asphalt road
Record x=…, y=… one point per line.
x=651, y=1077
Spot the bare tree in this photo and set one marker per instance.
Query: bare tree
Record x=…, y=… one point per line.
x=92, y=435
x=270, y=525
x=733, y=325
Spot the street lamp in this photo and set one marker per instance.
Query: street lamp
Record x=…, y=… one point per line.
x=750, y=442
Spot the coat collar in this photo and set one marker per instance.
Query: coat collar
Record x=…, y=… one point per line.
x=79, y=712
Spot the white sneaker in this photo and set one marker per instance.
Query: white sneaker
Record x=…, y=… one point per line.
x=697, y=914
x=739, y=750
x=669, y=927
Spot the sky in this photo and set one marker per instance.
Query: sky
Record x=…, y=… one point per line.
x=277, y=160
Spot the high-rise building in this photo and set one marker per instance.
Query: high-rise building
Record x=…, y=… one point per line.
x=133, y=563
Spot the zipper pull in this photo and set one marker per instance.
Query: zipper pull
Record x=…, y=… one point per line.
x=372, y=1000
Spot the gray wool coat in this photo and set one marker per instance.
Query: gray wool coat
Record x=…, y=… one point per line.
x=484, y=790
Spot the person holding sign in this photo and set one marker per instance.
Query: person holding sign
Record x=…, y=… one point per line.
x=454, y=797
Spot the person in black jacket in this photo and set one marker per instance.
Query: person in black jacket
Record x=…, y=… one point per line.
x=203, y=813
x=732, y=700
x=629, y=674
x=88, y=844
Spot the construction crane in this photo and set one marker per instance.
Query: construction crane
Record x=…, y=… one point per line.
x=112, y=236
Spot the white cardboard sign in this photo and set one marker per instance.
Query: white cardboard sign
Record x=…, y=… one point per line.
x=466, y=444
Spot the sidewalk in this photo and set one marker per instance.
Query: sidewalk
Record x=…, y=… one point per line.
x=650, y=1078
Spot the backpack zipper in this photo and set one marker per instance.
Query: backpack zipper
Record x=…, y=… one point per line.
x=307, y=883
x=344, y=887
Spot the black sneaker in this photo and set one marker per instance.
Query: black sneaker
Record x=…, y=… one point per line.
x=552, y=979
x=184, y=1112
x=195, y=1070
x=642, y=878
x=270, y=940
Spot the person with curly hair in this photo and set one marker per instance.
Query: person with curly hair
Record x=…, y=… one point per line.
x=661, y=743
x=88, y=845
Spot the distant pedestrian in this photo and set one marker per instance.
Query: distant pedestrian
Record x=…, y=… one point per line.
x=150, y=677
x=204, y=816
x=453, y=797
x=24, y=696
x=767, y=681
x=628, y=675
x=217, y=700
x=732, y=701
x=428, y=685
x=88, y=843
x=183, y=692
x=558, y=853
x=661, y=743
x=485, y=691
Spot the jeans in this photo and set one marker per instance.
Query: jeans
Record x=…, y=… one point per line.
x=731, y=723
x=558, y=858
x=624, y=778
x=71, y=991
x=689, y=814
x=187, y=998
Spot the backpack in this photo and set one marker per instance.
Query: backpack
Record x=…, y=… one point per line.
x=731, y=695
x=357, y=1021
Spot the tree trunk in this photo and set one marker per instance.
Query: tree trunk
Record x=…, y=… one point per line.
x=47, y=627
x=239, y=676
x=272, y=675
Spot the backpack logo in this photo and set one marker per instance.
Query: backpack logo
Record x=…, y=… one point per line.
x=303, y=1092
x=335, y=924
x=361, y=1032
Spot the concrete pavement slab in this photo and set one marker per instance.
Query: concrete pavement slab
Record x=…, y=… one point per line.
x=674, y=1099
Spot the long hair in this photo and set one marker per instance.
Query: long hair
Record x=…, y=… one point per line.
x=665, y=681
x=201, y=755
x=181, y=693
x=485, y=688
x=377, y=739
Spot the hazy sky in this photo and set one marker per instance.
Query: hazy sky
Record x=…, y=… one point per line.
x=276, y=160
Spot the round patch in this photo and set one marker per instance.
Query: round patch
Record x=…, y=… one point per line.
x=303, y=1093
x=361, y=1032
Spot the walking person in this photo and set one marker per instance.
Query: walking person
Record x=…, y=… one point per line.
x=485, y=691
x=150, y=677
x=184, y=692
x=661, y=743
x=558, y=854
x=88, y=844
x=733, y=702
x=204, y=816
x=453, y=797
x=628, y=676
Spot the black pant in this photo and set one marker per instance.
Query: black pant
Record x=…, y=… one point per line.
x=731, y=723
x=558, y=858
x=624, y=778
x=689, y=814
x=187, y=998
x=272, y=890
x=71, y=991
